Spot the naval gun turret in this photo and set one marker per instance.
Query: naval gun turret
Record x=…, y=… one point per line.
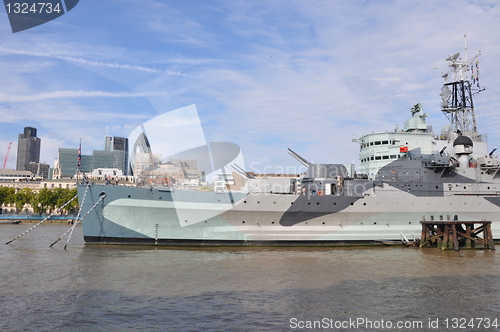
x=488, y=160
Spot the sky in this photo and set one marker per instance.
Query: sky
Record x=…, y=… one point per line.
x=266, y=75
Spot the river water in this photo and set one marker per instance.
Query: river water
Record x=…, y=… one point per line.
x=127, y=288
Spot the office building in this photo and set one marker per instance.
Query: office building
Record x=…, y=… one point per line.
x=114, y=143
x=67, y=162
x=39, y=170
x=28, y=149
x=109, y=159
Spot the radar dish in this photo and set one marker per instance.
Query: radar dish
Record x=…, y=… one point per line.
x=453, y=57
x=445, y=93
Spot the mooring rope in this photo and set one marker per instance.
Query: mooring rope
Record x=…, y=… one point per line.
x=77, y=215
x=86, y=214
x=50, y=215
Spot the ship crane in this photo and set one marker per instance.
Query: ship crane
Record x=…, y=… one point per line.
x=7, y=155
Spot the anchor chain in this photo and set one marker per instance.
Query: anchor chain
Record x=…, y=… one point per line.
x=76, y=218
x=50, y=215
x=78, y=221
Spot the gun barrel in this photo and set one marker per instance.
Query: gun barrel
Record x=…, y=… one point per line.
x=299, y=158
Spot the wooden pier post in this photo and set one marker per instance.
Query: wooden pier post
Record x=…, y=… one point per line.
x=457, y=234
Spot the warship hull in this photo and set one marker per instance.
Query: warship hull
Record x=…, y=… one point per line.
x=128, y=215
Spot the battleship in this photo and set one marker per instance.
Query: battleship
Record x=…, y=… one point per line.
x=405, y=176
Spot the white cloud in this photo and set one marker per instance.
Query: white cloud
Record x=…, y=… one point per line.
x=76, y=94
x=89, y=62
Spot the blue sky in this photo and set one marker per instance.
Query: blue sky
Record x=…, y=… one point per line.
x=266, y=75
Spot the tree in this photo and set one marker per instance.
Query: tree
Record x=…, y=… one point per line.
x=206, y=188
x=42, y=200
x=22, y=197
x=6, y=195
x=63, y=196
x=46, y=200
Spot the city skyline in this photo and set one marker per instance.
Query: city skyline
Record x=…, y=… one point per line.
x=14, y=149
x=266, y=76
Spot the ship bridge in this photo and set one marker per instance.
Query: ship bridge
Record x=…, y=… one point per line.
x=380, y=149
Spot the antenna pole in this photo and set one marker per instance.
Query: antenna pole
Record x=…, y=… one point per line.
x=465, y=48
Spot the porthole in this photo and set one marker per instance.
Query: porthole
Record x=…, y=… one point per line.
x=243, y=222
x=309, y=203
x=245, y=202
x=317, y=203
x=364, y=204
x=129, y=196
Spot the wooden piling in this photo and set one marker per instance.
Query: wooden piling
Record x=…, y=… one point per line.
x=457, y=234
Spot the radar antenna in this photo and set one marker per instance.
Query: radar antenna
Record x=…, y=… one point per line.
x=456, y=95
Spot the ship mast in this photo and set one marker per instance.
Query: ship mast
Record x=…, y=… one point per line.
x=457, y=103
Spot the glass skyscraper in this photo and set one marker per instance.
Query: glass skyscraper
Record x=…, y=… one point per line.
x=114, y=143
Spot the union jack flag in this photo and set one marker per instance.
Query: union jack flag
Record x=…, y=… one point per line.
x=79, y=154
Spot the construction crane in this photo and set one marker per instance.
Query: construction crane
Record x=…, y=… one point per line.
x=6, y=155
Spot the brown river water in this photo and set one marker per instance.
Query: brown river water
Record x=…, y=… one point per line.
x=127, y=288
